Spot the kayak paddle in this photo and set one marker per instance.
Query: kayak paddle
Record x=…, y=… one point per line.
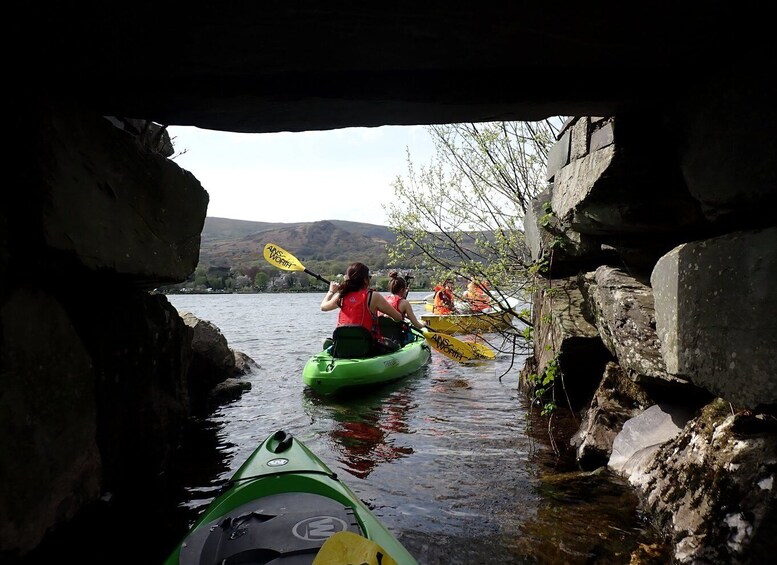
x=286, y=261
x=454, y=348
x=482, y=350
x=445, y=344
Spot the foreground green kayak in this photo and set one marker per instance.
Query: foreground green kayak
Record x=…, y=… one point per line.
x=280, y=508
x=328, y=374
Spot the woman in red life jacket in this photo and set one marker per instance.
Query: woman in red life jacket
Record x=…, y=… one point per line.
x=443, y=298
x=398, y=299
x=358, y=304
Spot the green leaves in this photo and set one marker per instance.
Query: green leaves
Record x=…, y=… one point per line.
x=461, y=215
x=543, y=386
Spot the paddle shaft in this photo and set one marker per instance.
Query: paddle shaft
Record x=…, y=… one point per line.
x=319, y=277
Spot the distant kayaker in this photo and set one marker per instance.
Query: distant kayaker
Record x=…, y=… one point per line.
x=398, y=299
x=476, y=296
x=359, y=305
x=443, y=298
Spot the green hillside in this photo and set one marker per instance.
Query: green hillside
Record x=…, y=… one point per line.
x=238, y=243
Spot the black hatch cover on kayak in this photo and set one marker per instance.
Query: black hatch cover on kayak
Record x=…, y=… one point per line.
x=280, y=529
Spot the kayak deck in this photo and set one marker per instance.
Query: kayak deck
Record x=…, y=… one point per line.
x=485, y=322
x=281, y=506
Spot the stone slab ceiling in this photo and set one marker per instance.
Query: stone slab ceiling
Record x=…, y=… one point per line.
x=276, y=66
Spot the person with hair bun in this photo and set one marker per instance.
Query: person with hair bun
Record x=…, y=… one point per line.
x=398, y=299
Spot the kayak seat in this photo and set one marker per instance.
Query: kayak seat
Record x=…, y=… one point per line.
x=282, y=529
x=352, y=342
x=391, y=329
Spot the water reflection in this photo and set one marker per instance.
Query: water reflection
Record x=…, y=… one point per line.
x=365, y=426
x=204, y=475
x=361, y=445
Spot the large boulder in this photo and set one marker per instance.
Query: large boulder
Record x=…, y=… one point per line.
x=712, y=487
x=565, y=250
x=565, y=342
x=715, y=302
x=103, y=201
x=617, y=399
x=622, y=310
x=50, y=466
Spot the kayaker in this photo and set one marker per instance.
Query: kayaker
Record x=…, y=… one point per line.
x=443, y=298
x=359, y=305
x=398, y=299
x=476, y=296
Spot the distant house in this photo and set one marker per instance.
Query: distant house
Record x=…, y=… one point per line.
x=281, y=281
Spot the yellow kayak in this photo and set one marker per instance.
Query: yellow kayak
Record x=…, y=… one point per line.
x=482, y=322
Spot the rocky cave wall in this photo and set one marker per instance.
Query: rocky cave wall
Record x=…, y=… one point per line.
x=657, y=242
x=93, y=367
x=95, y=370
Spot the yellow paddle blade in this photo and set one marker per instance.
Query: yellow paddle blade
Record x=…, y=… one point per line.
x=482, y=351
x=450, y=346
x=348, y=548
x=281, y=258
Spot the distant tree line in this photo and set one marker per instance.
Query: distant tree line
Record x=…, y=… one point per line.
x=265, y=278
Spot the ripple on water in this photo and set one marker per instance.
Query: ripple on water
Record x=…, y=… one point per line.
x=442, y=457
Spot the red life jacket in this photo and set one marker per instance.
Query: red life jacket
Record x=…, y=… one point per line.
x=394, y=300
x=355, y=310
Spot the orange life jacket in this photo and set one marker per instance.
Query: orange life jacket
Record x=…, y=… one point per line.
x=443, y=301
x=478, y=300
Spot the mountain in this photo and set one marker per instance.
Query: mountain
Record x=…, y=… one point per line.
x=226, y=242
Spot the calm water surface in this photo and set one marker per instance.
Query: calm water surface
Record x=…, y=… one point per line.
x=442, y=457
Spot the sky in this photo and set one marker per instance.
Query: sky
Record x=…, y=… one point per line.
x=344, y=174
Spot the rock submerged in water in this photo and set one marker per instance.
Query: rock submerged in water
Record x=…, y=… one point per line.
x=229, y=390
x=214, y=365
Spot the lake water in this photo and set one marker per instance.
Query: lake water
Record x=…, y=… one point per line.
x=443, y=457
x=451, y=459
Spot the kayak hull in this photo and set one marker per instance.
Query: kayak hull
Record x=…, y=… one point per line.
x=488, y=322
x=326, y=375
x=283, y=502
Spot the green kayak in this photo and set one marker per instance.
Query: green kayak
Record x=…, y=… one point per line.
x=345, y=365
x=286, y=507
